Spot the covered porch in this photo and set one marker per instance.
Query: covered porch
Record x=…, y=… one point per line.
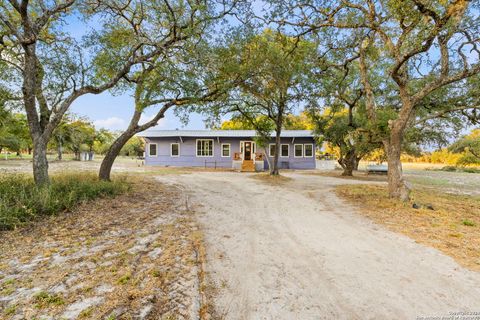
x=247, y=159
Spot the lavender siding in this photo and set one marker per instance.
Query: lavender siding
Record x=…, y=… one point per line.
x=188, y=156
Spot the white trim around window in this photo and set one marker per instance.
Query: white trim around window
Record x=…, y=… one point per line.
x=150, y=149
x=270, y=150
x=229, y=150
x=281, y=150
x=205, y=151
x=305, y=150
x=178, y=150
x=295, y=151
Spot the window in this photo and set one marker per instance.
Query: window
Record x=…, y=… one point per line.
x=271, y=150
x=284, y=150
x=225, y=149
x=298, y=150
x=309, y=150
x=175, y=150
x=152, y=149
x=204, y=148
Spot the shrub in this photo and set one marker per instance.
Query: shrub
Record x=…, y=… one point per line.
x=22, y=201
x=468, y=223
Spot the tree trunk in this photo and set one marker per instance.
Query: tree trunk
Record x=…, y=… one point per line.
x=357, y=162
x=266, y=157
x=274, y=169
x=347, y=163
x=59, y=149
x=112, y=153
x=40, y=163
x=397, y=187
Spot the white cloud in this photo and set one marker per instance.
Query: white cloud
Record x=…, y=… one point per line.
x=112, y=123
x=160, y=124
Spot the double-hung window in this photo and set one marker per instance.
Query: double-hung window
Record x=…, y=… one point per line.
x=298, y=150
x=152, y=149
x=284, y=150
x=225, y=150
x=175, y=150
x=271, y=150
x=308, y=153
x=204, y=147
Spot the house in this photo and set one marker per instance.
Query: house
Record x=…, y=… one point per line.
x=234, y=149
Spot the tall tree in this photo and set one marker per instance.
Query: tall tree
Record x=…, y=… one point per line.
x=415, y=47
x=270, y=79
x=175, y=76
x=50, y=69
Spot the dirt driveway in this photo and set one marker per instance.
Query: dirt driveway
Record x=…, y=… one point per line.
x=296, y=251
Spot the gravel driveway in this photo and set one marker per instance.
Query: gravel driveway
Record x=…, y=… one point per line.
x=296, y=251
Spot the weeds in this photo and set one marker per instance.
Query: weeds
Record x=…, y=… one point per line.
x=449, y=228
x=44, y=299
x=21, y=200
x=468, y=223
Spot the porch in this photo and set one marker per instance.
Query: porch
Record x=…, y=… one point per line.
x=247, y=159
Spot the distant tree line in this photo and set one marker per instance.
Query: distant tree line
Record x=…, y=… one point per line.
x=74, y=135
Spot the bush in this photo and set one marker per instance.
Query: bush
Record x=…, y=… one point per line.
x=22, y=201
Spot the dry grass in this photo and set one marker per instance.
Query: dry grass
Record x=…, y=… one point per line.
x=358, y=175
x=453, y=227
x=141, y=249
x=270, y=180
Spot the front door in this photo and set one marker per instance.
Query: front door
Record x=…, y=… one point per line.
x=248, y=151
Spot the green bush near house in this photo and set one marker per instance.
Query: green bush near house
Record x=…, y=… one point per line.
x=21, y=200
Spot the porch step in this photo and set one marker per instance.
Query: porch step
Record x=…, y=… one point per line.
x=248, y=166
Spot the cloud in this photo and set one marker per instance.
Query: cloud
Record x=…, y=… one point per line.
x=160, y=124
x=112, y=123
x=116, y=123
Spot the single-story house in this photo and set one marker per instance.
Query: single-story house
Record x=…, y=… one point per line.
x=227, y=149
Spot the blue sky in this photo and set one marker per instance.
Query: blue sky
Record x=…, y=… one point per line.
x=113, y=112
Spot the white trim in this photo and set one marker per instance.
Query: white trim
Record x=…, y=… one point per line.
x=150, y=151
x=229, y=150
x=196, y=148
x=288, y=150
x=313, y=150
x=295, y=151
x=270, y=149
x=171, y=153
x=253, y=145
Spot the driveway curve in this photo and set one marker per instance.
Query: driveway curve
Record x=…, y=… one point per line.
x=297, y=251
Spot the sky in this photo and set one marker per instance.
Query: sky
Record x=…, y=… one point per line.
x=113, y=112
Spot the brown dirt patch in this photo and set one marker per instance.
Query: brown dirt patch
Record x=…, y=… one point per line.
x=136, y=256
x=453, y=227
x=269, y=179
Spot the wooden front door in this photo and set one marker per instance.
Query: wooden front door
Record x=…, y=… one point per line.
x=248, y=151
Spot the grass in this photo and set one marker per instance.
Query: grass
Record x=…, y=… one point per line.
x=21, y=201
x=452, y=227
x=269, y=179
x=44, y=299
x=458, y=169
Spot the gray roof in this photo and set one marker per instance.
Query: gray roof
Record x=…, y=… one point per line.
x=220, y=133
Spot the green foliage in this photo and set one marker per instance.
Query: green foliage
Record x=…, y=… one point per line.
x=468, y=223
x=134, y=147
x=14, y=134
x=469, y=145
x=22, y=201
x=44, y=299
x=345, y=134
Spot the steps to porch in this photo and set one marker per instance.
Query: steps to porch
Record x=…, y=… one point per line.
x=248, y=166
